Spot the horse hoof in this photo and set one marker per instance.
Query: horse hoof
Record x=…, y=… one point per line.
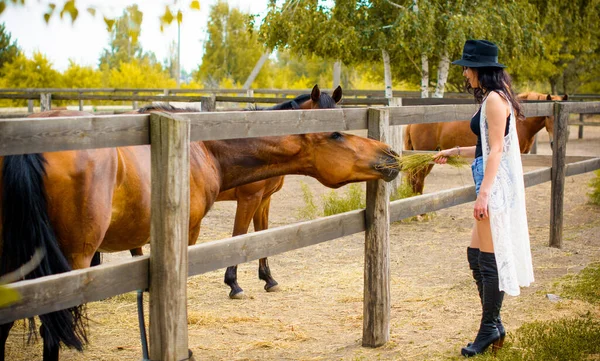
x=238, y=296
x=274, y=288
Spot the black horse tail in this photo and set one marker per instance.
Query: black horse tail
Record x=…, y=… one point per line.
x=25, y=227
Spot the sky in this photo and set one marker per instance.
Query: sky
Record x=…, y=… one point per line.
x=84, y=40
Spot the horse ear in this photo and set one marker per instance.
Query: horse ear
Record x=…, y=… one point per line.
x=565, y=97
x=337, y=94
x=549, y=97
x=315, y=94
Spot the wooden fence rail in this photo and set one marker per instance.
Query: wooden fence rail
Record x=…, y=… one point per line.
x=170, y=134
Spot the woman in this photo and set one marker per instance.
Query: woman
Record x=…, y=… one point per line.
x=499, y=253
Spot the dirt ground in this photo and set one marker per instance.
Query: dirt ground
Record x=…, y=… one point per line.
x=317, y=315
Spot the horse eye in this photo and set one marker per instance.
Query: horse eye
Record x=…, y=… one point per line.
x=336, y=135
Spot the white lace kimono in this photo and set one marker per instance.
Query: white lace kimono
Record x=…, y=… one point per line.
x=506, y=206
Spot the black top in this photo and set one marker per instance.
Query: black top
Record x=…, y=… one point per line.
x=475, y=129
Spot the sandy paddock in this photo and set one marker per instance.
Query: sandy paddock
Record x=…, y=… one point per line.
x=317, y=315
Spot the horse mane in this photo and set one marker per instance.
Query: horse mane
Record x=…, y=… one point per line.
x=165, y=107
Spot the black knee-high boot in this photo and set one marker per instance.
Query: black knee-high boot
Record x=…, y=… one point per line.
x=473, y=258
x=491, y=303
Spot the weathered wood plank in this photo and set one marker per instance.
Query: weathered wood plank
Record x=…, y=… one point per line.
x=170, y=136
x=584, y=166
x=37, y=135
x=57, y=292
x=377, y=298
x=581, y=107
x=219, y=254
x=244, y=124
x=559, y=150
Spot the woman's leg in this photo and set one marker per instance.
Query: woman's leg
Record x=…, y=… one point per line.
x=492, y=297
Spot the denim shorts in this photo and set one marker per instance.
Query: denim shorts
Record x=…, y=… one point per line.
x=477, y=169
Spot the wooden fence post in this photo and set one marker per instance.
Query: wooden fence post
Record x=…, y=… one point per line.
x=134, y=104
x=376, y=303
x=581, y=120
x=396, y=141
x=209, y=103
x=170, y=143
x=80, y=102
x=45, y=101
x=30, y=106
x=557, y=188
x=166, y=93
x=250, y=94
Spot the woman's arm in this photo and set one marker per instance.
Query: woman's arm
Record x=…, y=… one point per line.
x=442, y=156
x=497, y=110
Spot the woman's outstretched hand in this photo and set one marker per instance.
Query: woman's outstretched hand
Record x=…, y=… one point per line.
x=442, y=156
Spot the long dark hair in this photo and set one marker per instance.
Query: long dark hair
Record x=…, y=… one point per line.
x=495, y=79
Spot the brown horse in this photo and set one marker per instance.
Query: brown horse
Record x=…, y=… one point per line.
x=74, y=203
x=445, y=135
x=253, y=200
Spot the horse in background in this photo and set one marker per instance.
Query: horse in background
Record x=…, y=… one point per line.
x=445, y=135
x=74, y=203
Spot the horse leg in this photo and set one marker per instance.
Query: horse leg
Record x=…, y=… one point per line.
x=4, y=330
x=261, y=222
x=246, y=208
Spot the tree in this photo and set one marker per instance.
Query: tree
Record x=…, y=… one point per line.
x=232, y=48
x=8, y=49
x=571, y=39
x=77, y=77
x=31, y=73
x=124, y=45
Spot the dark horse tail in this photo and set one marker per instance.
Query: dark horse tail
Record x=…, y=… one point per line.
x=26, y=227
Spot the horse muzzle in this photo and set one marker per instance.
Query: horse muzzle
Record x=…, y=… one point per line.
x=388, y=166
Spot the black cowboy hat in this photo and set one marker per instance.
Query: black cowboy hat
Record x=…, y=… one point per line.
x=479, y=54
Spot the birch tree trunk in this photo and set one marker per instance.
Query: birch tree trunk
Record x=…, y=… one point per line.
x=387, y=73
x=442, y=75
x=337, y=73
x=256, y=70
x=424, y=76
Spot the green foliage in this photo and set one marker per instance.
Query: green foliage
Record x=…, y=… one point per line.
x=8, y=49
x=572, y=339
x=354, y=198
x=403, y=191
x=77, y=77
x=584, y=286
x=138, y=74
x=232, y=49
x=595, y=184
x=30, y=73
x=310, y=209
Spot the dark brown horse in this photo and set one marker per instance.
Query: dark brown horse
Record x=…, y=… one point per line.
x=74, y=203
x=445, y=135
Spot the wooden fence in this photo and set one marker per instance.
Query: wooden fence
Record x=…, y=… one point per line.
x=169, y=136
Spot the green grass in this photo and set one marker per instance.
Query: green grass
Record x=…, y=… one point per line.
x=353, y=198
x=595, y=185
x=583, y=286
x=402, y=192
x=310, y=209
x=569, y=339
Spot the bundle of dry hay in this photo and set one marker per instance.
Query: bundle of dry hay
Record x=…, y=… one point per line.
x=417, y=162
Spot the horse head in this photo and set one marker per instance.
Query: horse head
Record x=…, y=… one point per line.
x=320, y=100
x=340, y=158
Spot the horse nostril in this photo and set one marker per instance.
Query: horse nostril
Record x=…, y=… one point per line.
x=391, y=152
